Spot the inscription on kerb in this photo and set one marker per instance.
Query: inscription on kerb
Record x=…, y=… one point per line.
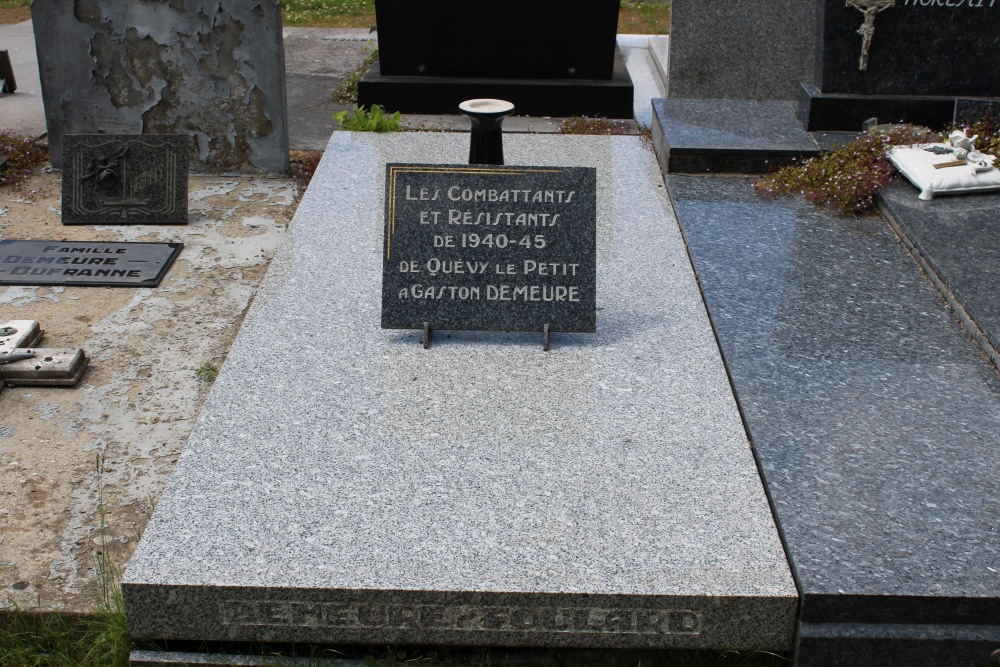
x=490, y=248
x=954, y=4
x=462, y=618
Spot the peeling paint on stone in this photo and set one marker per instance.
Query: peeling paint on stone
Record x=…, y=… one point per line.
x=211, y=69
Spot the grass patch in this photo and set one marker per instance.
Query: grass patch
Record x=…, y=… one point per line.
x=644, y=18
x=56, y=640
x=15, y=11
x=207, y=372
x=635, y=17
x=329, y=13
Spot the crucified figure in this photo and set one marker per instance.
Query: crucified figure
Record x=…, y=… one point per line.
x=867, y=30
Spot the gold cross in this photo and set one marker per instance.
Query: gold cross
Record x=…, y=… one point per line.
x=867, y=30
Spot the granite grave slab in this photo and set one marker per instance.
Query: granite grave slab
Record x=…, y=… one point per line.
x=490, y=248
x=212, y=71
x=954, y=239
x=481, y=492
x=737, y=136
x=125, y=179
x=93, y=263
x=874, y=420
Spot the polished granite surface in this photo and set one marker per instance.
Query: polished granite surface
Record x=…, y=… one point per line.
x=956, y=238
x=874, y=418
x=736, y=136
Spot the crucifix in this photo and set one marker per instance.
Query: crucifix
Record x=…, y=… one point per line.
x=867, y=30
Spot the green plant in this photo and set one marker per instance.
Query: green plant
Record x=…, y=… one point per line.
x=56, y=640
x=22, y=154
x=374, y=120
x=847, y=178
x=587, y=125
x=207, y=372
x=339, y=13
x=347, y=91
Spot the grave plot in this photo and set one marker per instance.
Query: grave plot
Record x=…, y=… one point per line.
x=872, y=414
x=482, y=491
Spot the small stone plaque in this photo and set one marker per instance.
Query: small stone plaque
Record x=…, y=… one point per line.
x=91, y=263
x=490, y=248
x=129, y=179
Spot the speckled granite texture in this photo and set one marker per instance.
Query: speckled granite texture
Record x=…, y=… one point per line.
x=956, y=242
x=874, y=419
x=345, y=485
x=737, y=136
x=748, y=49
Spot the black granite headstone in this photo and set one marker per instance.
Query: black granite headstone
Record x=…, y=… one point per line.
x=90, y=263
x=549, y=58
x=490, y=248
x=921, y=56
x=136, y=179
x=7, y=82
x=919, y=47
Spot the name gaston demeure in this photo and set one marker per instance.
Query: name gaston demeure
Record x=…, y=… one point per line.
x=490, y=239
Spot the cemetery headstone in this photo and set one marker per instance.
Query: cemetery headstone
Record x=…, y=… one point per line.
x=548, y=58
x=900, y=60
x=7, y=82
x=210, y=70
x=92, y=263
x=125, y=179
x=490, y=248
x=752, y=49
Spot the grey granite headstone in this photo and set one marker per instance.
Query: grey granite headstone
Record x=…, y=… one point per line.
x=490, y=247
x=366, y=490
x=751, y=49
x=124, y=179
x=212, y=70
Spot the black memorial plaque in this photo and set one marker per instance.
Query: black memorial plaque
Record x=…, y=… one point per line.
x=490, y=248
x=130, y=179
x=90, y=263
x=918, y=47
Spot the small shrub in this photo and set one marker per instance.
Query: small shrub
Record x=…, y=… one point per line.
x=22, y=154
x=207, y=372
x=587, y=125
x=374, y=120
x=847, y=178
x=347, y=91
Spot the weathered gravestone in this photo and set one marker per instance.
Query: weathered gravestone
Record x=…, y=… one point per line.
x=910, y=60
x=211, y=70
x=548, y=58
x=124, y=179
x=490, y=248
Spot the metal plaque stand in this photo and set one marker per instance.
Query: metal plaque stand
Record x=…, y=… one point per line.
x=429, y=334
